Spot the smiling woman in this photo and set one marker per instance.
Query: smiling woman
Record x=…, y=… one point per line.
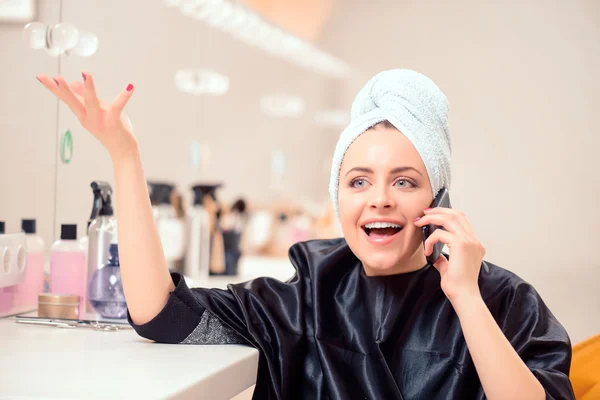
x=375, y=192
x=365, y=316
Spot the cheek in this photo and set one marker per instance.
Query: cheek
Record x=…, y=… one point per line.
x=418, y=206
x=351, y=207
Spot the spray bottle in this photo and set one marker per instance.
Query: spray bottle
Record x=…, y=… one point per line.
x=102, y=230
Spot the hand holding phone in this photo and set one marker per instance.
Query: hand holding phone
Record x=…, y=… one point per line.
x=441, y=200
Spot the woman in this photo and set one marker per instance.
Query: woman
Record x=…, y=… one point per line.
x=365, y=316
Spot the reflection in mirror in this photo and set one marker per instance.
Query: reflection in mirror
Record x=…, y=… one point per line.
x=28, y=143
x=227, y=112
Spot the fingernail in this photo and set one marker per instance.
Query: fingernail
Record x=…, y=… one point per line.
x=55, y=81
x=418, y=218
x=129, y=87
x=84, y=77
x=38, y=78
x=428, y=209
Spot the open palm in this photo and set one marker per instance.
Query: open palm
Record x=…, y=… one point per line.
x=106, y=121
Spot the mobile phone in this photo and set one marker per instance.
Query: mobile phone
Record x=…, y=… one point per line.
x=441, y=200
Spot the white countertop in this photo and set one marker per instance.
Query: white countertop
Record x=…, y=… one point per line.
x=49, y=362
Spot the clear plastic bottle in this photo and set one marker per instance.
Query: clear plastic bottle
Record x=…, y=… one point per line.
x=27, y=291
x=68, y=272
x=102, y=230
x=84, y=241
x=106, y=289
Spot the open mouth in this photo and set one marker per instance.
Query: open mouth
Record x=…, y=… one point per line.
x=381, y=230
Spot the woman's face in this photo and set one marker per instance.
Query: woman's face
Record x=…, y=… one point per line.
x=384, y=187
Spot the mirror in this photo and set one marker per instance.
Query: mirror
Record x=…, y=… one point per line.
x=28, y=122
x=208, y=107
x=28, y=152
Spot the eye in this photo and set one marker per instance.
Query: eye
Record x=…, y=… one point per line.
x=358, y=183
x=404, y=183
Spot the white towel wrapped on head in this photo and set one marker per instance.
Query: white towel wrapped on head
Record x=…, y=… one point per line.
x=416, y=107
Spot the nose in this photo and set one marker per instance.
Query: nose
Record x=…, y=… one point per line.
x=381, y=198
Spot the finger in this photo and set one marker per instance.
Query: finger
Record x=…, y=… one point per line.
x=450, y=223
x=455, y=214
x=49, y=84
x=52, y=84
x=441, y=210
x=121, y=100
x=437, y=236
x=441, y=264
x=89, y=94
x=69, y=98
x=77, y=88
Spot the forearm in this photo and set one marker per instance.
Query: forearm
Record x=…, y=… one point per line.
x=146, y=279
x=501, y=371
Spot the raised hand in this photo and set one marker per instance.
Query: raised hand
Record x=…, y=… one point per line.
x=459, y=276
x=106, y=121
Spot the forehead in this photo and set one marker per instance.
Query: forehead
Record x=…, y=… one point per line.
x=384, y=147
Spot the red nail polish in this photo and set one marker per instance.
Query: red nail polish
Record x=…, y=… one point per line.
x=129, y=87
x=84, y=77
x=55, y=81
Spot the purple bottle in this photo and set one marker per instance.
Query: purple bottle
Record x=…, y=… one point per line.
x=105, y=290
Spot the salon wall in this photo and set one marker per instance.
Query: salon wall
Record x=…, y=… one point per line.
x=520, y=77
x=27, y=129
x=522, y=82
x=145, y=43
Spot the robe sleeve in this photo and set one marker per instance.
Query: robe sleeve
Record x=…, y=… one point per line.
x=215, y=316
x=184, y=320
x=540, y=340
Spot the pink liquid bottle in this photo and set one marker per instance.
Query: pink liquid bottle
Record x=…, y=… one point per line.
x=27, y=291
x=68, y=272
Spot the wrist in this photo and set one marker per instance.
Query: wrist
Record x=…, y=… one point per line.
x=125, y=154
x=467, y=303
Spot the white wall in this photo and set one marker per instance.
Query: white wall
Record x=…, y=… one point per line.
x=522, y=80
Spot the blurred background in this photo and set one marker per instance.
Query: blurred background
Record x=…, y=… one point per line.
x=251, y=95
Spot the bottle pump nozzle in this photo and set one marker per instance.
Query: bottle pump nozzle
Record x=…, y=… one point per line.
x=102, y=200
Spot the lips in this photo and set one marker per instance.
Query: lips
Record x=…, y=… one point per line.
x=380, y=232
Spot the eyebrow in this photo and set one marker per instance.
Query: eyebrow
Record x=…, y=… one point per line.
x=396, y=170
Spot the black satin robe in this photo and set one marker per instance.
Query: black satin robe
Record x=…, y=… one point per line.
x=331, y=332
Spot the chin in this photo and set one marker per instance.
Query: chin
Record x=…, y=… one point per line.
x=388, y=261
x=380, y=264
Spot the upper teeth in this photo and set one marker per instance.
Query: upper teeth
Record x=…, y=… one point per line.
x=372, y=225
